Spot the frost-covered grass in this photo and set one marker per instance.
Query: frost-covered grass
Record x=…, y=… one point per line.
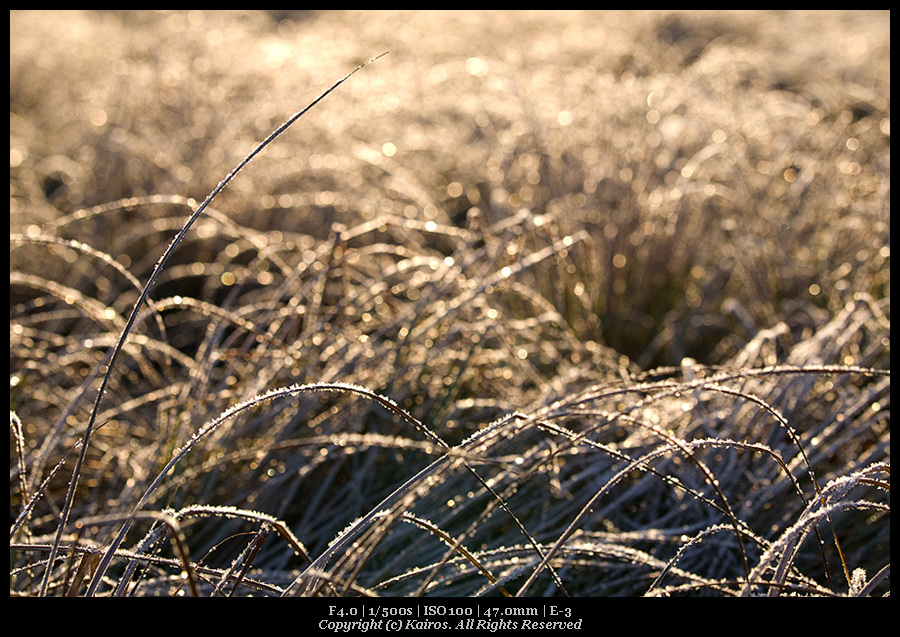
x=594, y=304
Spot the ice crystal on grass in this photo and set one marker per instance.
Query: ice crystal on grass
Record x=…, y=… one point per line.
x=552, y=319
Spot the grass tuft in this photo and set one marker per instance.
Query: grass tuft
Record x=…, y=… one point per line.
x=541, y=320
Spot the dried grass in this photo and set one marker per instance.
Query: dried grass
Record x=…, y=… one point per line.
x=539, y=317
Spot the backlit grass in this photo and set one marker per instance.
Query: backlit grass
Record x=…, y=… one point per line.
x=588, y=304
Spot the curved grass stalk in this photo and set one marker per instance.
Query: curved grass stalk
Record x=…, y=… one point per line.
x=455, y=546
x=213, y=425
x=178, y=540
x=265, y=521
x=639, y=464
x=307, y=584
x=73, y=484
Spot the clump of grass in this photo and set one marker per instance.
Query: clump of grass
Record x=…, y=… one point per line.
x=581, y=367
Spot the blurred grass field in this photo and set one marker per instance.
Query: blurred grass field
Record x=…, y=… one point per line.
x=586, y=303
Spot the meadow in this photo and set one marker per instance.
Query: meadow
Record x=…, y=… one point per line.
x=534, y=304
